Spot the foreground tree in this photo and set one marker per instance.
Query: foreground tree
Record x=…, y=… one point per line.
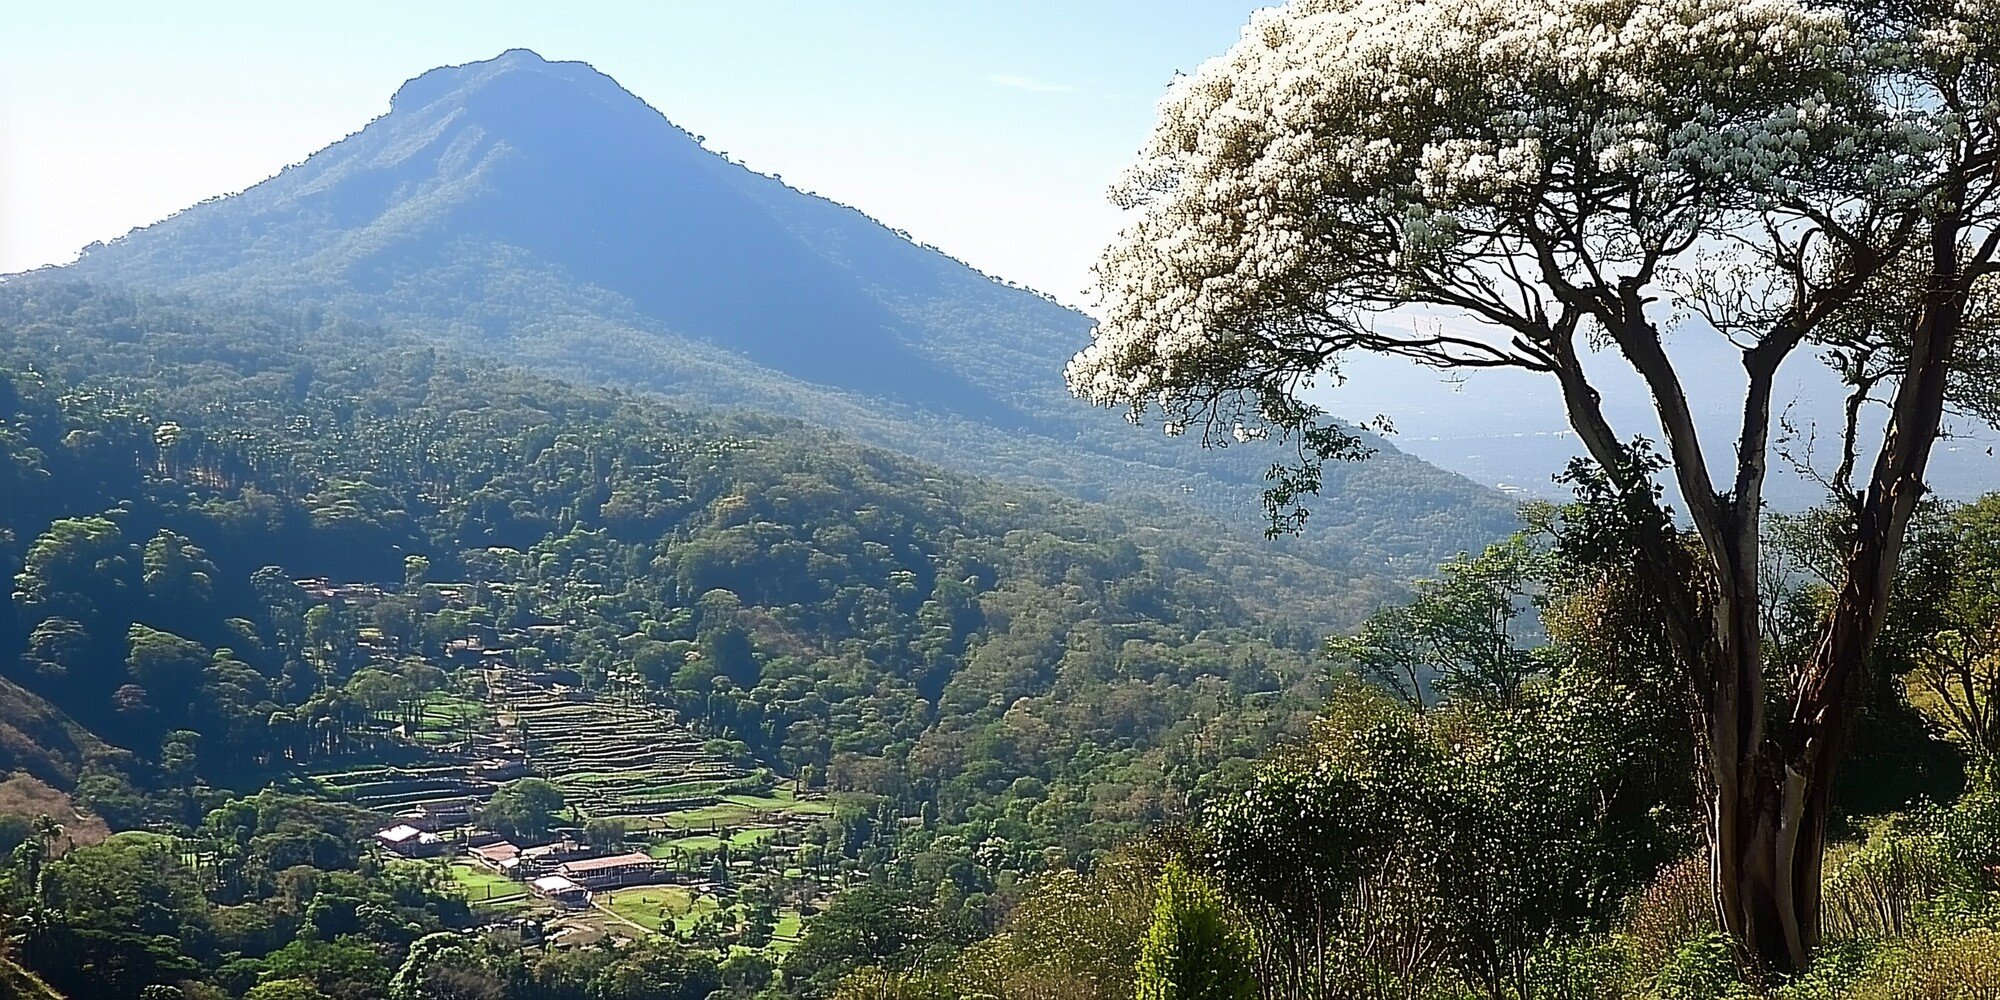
x=1797, y=176
x=1192, y=951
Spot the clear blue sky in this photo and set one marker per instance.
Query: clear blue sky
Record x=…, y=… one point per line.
x=988, y=129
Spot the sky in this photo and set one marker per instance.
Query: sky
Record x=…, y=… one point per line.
x=990, y=130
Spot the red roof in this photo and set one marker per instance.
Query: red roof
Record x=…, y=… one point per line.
x=497, y=852
x=590, y=865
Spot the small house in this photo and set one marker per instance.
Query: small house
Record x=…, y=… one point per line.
x=440, y=815
x=560, y=890
x=548, y=857
x=502, y=857
x=407, y=841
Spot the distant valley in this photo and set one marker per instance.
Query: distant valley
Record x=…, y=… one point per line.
x=1506, y=429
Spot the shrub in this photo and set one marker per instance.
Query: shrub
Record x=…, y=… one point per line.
x=1960, y=966
x=1678, y=906
x=1880, y=889
x=1701, y=969
x=1193, y=951
x=1589, y=968
x=1970, y=832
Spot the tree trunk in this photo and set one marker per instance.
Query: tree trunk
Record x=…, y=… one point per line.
x=1772, y=801
x=1768, y=843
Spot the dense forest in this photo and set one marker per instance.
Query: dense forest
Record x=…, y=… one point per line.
x=1026, y=671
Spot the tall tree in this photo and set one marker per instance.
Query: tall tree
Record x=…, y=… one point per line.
x=1551, y=178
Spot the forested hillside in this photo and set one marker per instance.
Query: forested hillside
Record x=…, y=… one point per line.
x=537, y=212
x=1013, y=665
x=837, y=609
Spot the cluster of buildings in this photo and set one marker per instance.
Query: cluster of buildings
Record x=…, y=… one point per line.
x=567, y=872
x=420, y=832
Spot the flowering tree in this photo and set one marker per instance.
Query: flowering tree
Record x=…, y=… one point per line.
x=1550, y=177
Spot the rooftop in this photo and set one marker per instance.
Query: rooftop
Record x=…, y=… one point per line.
x=589, y=865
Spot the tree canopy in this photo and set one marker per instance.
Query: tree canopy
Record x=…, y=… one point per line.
x=1553, y=187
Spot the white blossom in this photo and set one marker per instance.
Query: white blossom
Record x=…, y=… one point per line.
x=1341, y=147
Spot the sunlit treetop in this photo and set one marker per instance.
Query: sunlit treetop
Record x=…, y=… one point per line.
x=1511, y=161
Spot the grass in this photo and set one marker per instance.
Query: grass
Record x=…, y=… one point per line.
x=709, y=842
x=740, y=810
x=445, y=711
x=785, y=933
x=752, y=836
x=511, y=904
x=483, y=886
x=655, y=907
x=675, y=850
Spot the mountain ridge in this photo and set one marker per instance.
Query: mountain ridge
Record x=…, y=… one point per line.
x=540, y=213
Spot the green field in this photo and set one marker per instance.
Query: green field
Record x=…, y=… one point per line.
x=741, y=810
x=738, y=839
x=657, y=906
x=483, y=886
x=698, y=842
x=447, y=715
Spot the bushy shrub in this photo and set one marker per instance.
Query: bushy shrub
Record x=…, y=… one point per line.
x=1835, y=968
x=1957, y=966
x=1591, y=968
x=1701, y=969
x=1678, y=906
x=1880, y=888
x=1194, y=950
x=1970, y=833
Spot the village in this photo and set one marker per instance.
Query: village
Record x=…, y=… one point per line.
x=638, y=825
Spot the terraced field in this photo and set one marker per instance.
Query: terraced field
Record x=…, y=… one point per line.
x=611, y=758
x=393, y=789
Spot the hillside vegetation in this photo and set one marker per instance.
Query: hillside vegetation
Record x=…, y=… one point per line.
x=837, y=612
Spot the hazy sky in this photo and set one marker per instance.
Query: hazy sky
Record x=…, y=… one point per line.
x=988, y=129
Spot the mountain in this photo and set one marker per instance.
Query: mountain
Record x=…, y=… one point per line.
x=537, y=212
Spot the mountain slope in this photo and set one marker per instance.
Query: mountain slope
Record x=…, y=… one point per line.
x=539, y=213
x=39, y=739
x=835, y=611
